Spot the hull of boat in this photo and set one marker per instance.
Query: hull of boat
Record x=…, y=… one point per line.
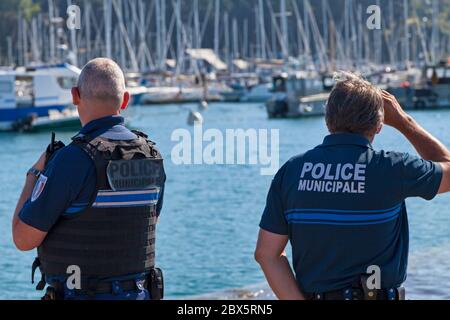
x=10, y=117
x=176, y=98
x=136, y=99
x=232, y=96
x=72, y=124
x=311, y=106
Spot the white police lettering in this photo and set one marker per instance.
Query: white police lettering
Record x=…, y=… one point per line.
x=333, y=178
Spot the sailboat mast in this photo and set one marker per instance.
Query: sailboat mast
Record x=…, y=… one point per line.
x=307, y=30
x=163, y=35
x=325, y=23
x=180, y=45
x=274, y=39
x=216, y=27
x=196, y=25
x=87, y=22
x=158, y=32
x=227, y=38
x=107, y=8
x=25, y=40
x=347, y=32
x=392, y=30
x=262, y=30
x=235, y=39
x=10, y=51
x=435, y=32
x=284, y=29
x=354, y=33
x=256, y=48
x=245, y=40
x=360, y=34
x=406, y=56
x=51, y=15
x=34, y=41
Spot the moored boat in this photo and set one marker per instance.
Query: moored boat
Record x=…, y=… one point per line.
x=35, y=92
x=432, y=91
x=298, y=94
x=68, y=119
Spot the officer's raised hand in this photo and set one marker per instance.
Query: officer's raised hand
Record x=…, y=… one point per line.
x=424, y=142
x=394, y=115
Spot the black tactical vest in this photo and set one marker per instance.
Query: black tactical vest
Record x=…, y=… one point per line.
x=115, y=235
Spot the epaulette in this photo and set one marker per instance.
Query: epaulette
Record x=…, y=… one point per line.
x=145, y=136
x=140, y=134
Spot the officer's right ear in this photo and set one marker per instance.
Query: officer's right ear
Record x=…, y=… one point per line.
x=126, y=100
x=76, y=96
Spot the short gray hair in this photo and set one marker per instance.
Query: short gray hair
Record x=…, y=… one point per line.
x=354, y=106
x=102, y=79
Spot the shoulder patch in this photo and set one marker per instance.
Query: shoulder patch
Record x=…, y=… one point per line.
x=39, y=187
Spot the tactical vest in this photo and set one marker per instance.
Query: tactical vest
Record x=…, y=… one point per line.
x=115, y=235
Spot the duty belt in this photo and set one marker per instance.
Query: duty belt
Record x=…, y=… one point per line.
x=359, y=291
x=94, y=286
x=106, y=287
x=360, y=294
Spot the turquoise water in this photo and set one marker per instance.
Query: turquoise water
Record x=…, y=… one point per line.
x=209, y=222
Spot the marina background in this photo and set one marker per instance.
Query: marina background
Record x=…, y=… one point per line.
x=282, y=53
x=153, y=35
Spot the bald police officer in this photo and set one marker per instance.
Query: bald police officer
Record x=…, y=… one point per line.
x=342, y=204
x=91, y=208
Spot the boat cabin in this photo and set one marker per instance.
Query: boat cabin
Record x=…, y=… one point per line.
x=299, y=84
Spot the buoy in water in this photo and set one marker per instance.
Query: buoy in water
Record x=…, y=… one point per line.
x=195, y=118
x=203, y=105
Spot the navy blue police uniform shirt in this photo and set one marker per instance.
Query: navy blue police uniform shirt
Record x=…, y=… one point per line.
x=343, y=207
x=71, y=178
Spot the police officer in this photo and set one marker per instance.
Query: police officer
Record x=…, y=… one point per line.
x=91, y=208
x=342, y=204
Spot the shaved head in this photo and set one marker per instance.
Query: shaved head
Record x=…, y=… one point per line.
x=102, y=80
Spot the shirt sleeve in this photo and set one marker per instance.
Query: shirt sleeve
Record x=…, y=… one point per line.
x=68, y=173
x=273, y=219
x=420, y=178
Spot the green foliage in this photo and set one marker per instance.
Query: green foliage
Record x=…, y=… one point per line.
x=425, y=9
x=29, y=8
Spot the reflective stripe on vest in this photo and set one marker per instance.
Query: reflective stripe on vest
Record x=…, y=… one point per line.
x=111, y=199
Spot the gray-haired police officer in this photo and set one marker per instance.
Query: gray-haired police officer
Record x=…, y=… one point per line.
x=91, y=208
x=342, y=204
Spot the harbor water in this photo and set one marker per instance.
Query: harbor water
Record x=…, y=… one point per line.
x=209, y=223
